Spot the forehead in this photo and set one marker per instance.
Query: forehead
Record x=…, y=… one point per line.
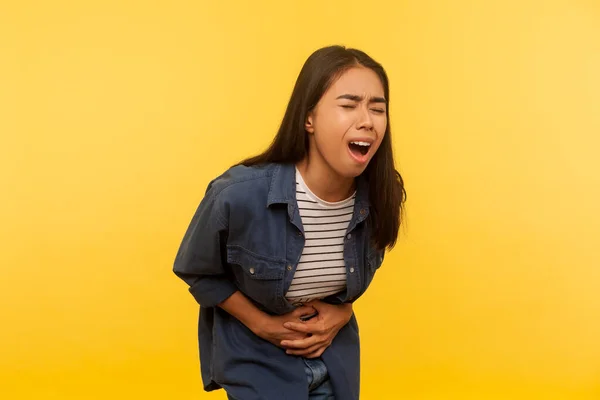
x=359, y=81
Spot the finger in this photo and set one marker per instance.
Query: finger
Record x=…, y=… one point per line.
x=294, y=336
x=317, y=353
x=300, y=311
x=299, y=327
x=308, y=327
x=302, y=343
x=304, y=352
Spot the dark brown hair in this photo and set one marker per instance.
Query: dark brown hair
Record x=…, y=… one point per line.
x=386, y=187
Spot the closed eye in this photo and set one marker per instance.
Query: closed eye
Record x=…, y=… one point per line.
x=378, y=110
x=349, y=106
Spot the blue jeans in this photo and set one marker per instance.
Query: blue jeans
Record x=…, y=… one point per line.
x=319, y=386
x=317, y=378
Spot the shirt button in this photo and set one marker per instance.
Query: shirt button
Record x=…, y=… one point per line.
x=363, y=211
x=299, y=233
x=252, y=270
x=289, y=267
x=349, y=236
x=351, y=270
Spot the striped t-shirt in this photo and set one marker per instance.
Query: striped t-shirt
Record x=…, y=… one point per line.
x=321, y=270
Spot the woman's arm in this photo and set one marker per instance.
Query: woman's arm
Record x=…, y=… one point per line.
x=262, y=324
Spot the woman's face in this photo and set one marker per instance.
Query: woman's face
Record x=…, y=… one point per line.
x=349, y=122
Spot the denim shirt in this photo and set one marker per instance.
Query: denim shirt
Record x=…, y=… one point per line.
x=247, y=235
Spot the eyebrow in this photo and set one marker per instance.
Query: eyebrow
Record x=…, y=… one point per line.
x=357, y=98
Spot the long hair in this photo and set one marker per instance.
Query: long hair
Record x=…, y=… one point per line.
x=386, y=187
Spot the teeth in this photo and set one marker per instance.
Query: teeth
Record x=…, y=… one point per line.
x=361, y=144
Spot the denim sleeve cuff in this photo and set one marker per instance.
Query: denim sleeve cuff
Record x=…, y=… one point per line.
x=210, y=291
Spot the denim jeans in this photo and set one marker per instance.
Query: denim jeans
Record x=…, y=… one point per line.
x=319, y=386
x=317, y=378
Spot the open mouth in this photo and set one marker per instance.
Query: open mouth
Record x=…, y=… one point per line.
x=359, y=148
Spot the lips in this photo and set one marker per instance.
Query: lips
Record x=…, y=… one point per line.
x=359, y=147
x=359, y=150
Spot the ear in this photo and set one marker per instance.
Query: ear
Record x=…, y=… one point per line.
x=308, y=124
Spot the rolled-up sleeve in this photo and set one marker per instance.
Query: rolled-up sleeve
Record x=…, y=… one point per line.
x=199, y=261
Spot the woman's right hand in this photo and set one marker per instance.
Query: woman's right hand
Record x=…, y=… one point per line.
x=270, y=328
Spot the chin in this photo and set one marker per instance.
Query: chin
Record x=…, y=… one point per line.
x=353, y=171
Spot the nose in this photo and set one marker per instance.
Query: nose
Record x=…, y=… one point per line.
x=364, y=120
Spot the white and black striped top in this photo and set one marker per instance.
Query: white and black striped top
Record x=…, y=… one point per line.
x=321, y=270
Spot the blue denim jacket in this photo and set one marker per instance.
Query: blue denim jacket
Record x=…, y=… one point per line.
x=247, y=235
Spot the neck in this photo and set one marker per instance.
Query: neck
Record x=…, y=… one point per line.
x=324, y=182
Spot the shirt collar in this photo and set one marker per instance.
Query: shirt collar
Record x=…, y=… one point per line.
x=282, y=189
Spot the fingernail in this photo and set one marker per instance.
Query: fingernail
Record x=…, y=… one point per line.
x=287, y=325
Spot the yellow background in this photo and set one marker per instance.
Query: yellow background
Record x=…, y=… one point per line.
x=114, y=115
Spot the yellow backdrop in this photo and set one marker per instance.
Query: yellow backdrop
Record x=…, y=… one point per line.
x=114, y=115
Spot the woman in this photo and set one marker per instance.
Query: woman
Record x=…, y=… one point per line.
x=283, y=243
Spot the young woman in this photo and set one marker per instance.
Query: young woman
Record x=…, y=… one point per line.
x=284, y=242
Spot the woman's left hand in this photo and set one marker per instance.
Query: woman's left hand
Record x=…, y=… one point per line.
x=321, y=329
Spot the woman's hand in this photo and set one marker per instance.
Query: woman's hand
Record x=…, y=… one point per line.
x=272, y=328
x=319, y=331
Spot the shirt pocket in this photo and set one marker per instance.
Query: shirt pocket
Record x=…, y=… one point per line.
x=258, y=277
